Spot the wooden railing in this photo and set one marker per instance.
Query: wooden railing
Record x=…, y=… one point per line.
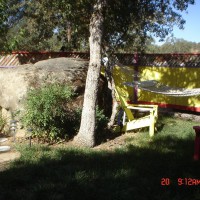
x=159, y=60
x=20, y=58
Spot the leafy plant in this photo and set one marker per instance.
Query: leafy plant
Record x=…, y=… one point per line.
x=3, y=122
x=48, y=114
x=101, y=120
x=46, y=111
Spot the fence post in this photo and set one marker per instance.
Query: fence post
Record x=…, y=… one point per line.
x=135, y=78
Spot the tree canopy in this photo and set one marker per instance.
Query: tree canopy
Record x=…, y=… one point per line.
x=50, y=25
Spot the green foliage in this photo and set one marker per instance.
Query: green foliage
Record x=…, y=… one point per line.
x=126, y=26
x=3, y=122
x=42, y=26
x=3, y=25
x=174, y=45
x=46, y=112
x=101, y=121
x=49, y=116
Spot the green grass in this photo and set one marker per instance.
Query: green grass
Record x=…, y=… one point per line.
x=132, y=172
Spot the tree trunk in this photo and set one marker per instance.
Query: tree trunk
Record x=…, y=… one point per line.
x=69, y=32
x=86, y=135
x=114, y=104
x=111, y=84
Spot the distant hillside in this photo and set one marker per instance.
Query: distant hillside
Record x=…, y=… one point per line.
x=174, y=46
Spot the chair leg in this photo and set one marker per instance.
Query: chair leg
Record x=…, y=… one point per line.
x=151, y=130
x=152, y=124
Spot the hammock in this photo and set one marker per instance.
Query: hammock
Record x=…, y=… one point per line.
x=156, y=87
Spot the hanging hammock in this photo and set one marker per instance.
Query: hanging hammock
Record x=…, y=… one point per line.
x=156, y=87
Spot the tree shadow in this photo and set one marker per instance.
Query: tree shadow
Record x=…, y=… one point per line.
x=132, y=173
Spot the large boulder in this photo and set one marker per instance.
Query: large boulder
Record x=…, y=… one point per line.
x=15, y=82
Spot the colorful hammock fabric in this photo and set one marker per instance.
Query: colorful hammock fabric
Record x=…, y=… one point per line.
x=156, y=87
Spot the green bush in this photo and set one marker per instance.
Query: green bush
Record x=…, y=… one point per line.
x=46, y=112
x=3, y=122
x=101, y=120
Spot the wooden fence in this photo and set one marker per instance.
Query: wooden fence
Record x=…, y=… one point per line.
x=164, y=60
x=20, y=58
x=176, y=70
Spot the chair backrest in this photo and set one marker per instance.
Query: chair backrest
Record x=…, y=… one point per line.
x=120, y=97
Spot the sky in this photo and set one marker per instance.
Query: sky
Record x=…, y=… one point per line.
x=191, y=32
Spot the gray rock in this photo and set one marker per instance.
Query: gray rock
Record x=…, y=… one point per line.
x=15, y=82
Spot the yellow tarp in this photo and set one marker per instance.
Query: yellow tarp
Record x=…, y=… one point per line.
x=180, y=77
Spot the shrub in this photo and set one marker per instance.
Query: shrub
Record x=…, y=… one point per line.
x=101, y=120
x=3, y=122
x=46, y=112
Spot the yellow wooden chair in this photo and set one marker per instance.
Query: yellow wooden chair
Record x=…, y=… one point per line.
x=129, y=122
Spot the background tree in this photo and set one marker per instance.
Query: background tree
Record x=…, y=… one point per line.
x=3, y=24
x=126, y=26
x=174, y=45
x=39, y=22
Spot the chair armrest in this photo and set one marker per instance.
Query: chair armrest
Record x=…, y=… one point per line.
x=139, y=108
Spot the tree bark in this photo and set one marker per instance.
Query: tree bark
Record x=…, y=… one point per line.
x=86, y=135
x=114, y=104
x=69, y=32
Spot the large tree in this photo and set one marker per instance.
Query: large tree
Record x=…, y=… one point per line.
x=111, y=24
x=138, y=17
x=86, y=134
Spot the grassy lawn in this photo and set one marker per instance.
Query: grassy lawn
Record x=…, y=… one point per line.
x=132, y=172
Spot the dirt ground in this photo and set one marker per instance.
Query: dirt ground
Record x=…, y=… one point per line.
x=6, y=157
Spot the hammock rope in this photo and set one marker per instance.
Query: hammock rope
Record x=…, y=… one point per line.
x=156, y=87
